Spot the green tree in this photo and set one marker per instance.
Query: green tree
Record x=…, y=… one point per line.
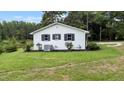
x=51, y=16
x=20, y=30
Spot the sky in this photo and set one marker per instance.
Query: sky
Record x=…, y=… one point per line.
x=27, y=16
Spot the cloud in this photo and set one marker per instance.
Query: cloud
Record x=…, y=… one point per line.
x=33, y=19
x=18, y=17
x=28, y=19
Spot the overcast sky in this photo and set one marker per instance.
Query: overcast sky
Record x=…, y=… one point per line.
x=28, y=16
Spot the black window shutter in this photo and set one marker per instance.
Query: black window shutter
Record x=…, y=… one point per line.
x=42, y=37
x=48, y=37
x=59, y=37
x=73, y=37
x=65, y=37
x=53, y=37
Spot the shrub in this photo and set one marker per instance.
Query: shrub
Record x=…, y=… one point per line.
x=1, y=50
x=69, y=45
x=9, y=45
x=28, y=46
x=22, y=44
x=92, y=46
x=10, y=48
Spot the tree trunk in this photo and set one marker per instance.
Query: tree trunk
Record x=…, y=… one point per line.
x=100, y=33
x=87, y=21
x=110, y=37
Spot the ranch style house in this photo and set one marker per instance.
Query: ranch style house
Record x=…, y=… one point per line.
x=58, y=36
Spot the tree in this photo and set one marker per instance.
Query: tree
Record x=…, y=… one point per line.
x=20, y=30
x=76, y=19
x=1, y=32
x=51, y=16
x=120, y=31
x=81, y=19
x=100, y=19
x=118, y=24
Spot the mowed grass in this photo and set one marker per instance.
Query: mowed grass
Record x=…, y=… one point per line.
x=76, y=65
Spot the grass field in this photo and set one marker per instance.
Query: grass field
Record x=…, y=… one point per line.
x=105, y=64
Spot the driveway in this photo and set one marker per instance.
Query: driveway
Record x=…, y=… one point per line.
x=112, y=44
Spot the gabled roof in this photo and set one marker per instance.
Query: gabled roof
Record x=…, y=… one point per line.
x=56, y=23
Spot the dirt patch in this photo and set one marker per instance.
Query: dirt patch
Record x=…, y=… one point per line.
x=121, y=59
x=103, y=68
x=65, y=77
x=51, y=72
x=111, y=44
x=114, y=67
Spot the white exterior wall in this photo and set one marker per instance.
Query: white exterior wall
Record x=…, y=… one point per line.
x=58, y=29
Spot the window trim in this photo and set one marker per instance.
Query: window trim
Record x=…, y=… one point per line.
x=56, y=38
x=72, y=37
x=43, y=38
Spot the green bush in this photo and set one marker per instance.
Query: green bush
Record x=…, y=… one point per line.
x=1, y=50
x=92, y=46
x=10, y=48
x=9, y=45
x=28, y=46
x=69, y=45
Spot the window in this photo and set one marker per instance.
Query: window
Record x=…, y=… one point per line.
x=56, y=36
x=45, y=37
x=69, y=37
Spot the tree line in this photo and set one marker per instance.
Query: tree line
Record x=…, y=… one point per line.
x=102, y=25
x=16, y=29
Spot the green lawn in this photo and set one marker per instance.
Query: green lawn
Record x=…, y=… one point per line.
x=77, y=65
